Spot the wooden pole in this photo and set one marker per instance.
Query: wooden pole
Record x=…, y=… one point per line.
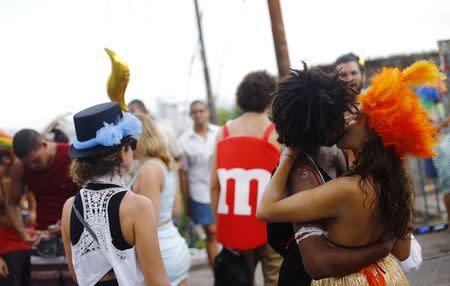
x=209, y=96
x=279, y=38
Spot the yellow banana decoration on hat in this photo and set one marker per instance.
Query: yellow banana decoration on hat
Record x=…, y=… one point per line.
x=118, y=80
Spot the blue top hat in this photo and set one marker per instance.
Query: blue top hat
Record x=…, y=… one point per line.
x=102, y=128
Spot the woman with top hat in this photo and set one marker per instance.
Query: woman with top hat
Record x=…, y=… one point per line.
x=109, y=233
x=375, y=197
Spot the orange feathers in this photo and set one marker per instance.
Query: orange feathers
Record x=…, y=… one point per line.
x=394, y=110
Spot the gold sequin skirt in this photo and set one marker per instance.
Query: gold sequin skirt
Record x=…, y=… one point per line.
x=388, y=268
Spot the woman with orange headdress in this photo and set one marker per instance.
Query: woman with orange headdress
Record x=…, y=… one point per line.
x=375, y=197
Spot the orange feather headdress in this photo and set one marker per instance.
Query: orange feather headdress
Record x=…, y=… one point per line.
x=394, y=110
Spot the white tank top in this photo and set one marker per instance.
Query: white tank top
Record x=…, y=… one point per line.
x=92, y=260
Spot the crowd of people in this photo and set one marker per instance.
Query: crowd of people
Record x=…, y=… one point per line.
x=310, y=181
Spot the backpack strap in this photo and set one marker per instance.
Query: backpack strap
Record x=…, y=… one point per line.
x=268, y=131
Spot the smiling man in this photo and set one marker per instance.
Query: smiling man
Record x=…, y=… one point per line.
x=42, y=166
x=351, y=71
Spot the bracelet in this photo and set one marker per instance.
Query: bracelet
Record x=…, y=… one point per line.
x=290, y=156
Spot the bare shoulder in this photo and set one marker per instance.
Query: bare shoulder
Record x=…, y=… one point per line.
x=151, y=168
x=68, y=205
x=350, y=185
x=66, y=213
x=301, y=178
x=134, y=203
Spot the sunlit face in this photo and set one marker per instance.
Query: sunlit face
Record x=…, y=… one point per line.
x=356, y=132
x=37, y=160
x=350, y=72
x=200, y=114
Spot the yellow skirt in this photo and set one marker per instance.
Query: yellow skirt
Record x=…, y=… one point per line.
x=386, y=272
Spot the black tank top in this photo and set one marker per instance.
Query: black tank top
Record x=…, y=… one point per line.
x=292, y=270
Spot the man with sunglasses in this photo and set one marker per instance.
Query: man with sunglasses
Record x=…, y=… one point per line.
x=197, y=145
x=42, y=166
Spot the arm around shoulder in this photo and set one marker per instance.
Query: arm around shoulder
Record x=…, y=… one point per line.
x=402, y=249
x=321, y=202
x=323, y=260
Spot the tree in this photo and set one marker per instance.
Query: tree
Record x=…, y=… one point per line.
x=226, y=114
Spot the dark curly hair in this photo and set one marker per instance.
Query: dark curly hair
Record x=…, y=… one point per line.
x=383, y=170
x=83, y=170
x=350, y=57
x=255, y=92
x=308, y=109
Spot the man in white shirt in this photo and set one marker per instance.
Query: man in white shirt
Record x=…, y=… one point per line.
x=197, y=145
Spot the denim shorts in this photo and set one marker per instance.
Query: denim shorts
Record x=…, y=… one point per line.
x=201, y=213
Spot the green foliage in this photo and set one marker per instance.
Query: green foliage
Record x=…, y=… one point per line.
x=226, y=114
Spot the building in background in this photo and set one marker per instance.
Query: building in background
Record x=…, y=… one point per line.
x=173, y=113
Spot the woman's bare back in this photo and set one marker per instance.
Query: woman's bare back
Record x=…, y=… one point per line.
x=356, y=225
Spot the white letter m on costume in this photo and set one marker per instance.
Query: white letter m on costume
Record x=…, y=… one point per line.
x=242, y=180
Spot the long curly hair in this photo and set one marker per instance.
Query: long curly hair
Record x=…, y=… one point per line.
x=382, y=169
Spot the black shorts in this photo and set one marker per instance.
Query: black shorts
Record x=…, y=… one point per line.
x=19, y=268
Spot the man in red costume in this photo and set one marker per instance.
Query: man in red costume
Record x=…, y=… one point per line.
x=43, y=167
x=246, y=153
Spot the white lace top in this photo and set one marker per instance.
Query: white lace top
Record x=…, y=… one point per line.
x=92, y=260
